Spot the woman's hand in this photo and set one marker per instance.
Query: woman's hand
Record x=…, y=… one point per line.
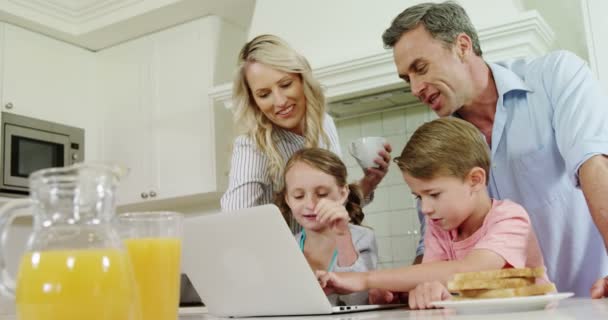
x=333, y=214
x=427, y=292
x=373, y=176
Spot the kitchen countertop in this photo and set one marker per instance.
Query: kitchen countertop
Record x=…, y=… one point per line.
x=573, y=308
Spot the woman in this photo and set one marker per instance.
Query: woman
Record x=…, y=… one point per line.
x=280, y=108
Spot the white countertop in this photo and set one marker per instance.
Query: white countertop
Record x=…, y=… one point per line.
x=569, y=309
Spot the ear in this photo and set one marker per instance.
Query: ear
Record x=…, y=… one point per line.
x=463, y=45
x=477, y=178
x=344, y=192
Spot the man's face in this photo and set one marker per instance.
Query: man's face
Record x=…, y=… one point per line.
x=438, y=76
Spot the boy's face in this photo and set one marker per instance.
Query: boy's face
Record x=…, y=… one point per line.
x=447, y=201
x=306, y=186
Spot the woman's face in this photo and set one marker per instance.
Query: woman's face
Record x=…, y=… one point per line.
x=279, y=95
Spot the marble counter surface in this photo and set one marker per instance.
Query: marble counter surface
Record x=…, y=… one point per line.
x=569, y=309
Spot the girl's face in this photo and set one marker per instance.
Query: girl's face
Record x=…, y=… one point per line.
x=305, y=186
x=279, y=95
x=447, y=201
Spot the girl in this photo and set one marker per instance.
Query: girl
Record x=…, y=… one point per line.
x=317, y=196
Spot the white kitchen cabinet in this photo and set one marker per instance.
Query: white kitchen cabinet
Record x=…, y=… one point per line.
x=125, y=87
x=48, y=79
x=161, y=123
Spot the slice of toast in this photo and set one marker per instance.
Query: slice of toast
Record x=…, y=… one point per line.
x=460, y=285
x=501, y=273
x=532, y=290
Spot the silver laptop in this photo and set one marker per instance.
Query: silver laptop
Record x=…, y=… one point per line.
x=247, y=263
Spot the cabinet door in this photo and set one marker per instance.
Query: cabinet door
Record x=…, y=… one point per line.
x=125, y=74
x=48, y=79
x=184, y=146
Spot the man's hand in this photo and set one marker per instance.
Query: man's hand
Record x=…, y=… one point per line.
x=341, y=282
x=600, y=289
x=425, y=293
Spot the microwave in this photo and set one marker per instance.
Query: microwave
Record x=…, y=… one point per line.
x=30, y=144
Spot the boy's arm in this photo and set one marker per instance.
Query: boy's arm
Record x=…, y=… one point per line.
x=407, y=278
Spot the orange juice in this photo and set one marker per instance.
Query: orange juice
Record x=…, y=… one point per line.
x=95, y=284
x=156, y=265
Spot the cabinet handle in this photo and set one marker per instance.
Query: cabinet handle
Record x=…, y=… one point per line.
x=9, y=105
x=144, y=195
x=152, y=194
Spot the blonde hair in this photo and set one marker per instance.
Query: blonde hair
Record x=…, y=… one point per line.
x=272, y=51
x=444, y=147
x=329, y=163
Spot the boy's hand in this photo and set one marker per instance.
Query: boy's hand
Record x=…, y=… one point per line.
x=333, y=214
x=341, y=282
x=425, y=293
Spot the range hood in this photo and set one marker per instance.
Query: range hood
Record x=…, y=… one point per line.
x=362, y=105
x=370, y=84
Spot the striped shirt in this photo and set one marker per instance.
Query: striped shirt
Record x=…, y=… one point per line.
x=249, y=182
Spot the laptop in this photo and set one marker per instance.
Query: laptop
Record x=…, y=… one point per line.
x=247, y=263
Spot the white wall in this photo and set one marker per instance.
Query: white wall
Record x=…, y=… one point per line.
x=566, y=19
x=392, y=214
x=596, y=24
x=329, y=32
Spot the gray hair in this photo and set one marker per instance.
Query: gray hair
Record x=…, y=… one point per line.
x=444, y=21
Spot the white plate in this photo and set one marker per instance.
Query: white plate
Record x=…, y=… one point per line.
x=503, y=304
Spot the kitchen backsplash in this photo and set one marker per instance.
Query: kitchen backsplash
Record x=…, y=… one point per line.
x=392, y=214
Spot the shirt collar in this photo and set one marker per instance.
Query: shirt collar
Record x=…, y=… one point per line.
x=506, y=80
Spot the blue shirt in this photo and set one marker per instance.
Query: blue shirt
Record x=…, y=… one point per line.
x=551, y=116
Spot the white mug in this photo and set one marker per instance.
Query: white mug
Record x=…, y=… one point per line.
x=366, y=149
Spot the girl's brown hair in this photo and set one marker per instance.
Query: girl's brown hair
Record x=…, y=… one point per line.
x=329, y=163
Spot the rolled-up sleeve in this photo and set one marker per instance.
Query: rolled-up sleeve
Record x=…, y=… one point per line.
x=249, y=183
x=580, y=110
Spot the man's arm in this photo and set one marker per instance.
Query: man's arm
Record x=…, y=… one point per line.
x=593, y=177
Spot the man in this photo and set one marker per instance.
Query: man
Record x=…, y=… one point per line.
x=544, y=120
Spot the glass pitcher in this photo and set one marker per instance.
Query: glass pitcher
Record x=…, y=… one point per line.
x=75, y=266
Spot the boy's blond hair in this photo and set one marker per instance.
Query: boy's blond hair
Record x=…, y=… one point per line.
x=444, y=147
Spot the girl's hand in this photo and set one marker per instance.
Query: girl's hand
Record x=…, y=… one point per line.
x=425, y=293
x=382, y=296
x=333, y=214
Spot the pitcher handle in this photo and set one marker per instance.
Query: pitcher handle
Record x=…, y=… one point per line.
x=8, y=213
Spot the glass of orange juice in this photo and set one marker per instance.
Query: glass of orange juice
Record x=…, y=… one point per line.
x=153, y=242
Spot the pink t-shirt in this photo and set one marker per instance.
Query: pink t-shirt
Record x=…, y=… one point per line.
x=506, y=230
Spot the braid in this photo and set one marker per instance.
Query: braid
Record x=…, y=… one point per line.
x=353, y=204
